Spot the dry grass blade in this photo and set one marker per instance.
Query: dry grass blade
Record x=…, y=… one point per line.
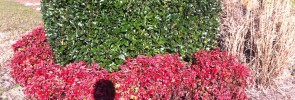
x=262, y=34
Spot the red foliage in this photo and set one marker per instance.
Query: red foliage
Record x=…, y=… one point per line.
x=219, y=76
x=80, y=79
x=33, y=67
x=212, y=75
x=28, y=54
x=162, y=76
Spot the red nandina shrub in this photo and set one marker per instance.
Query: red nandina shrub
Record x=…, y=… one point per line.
x=80, y=79
x=33, y=67
x=45, y=82
x=159, y=77
x=219, y=76
x=212, y=75
x=30, y=51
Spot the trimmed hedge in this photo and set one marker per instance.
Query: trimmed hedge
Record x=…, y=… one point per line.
x=109, y=31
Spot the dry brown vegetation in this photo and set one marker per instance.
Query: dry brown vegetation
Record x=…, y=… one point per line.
x=262, y=34
x=15, y=20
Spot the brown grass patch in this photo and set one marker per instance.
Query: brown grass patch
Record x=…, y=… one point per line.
x=16, y=18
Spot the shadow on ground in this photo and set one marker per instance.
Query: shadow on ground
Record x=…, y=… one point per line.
x=104, y=90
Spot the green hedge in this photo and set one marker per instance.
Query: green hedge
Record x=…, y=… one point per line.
x=109, y=31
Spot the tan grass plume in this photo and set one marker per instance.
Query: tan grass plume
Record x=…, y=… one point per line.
x=262, y=34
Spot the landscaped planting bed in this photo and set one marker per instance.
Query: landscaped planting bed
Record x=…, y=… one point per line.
x=211, y=75
x=124, y=49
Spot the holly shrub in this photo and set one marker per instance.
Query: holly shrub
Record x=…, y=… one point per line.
x=108, y=32
x=211, y=75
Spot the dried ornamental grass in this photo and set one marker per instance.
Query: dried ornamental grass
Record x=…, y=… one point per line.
x=262, y=34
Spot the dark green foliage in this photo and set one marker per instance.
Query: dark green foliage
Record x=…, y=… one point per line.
x=108, y=31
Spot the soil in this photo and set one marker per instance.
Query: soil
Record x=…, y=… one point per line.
x=9, y=90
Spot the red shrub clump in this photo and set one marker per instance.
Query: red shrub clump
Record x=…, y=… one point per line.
x=34, y=68
x=211, y=75
x=79, y=79
x=219, y=76
x=161, y=76
x=30, y=51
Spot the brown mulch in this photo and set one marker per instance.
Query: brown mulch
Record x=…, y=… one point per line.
x=9, y=90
